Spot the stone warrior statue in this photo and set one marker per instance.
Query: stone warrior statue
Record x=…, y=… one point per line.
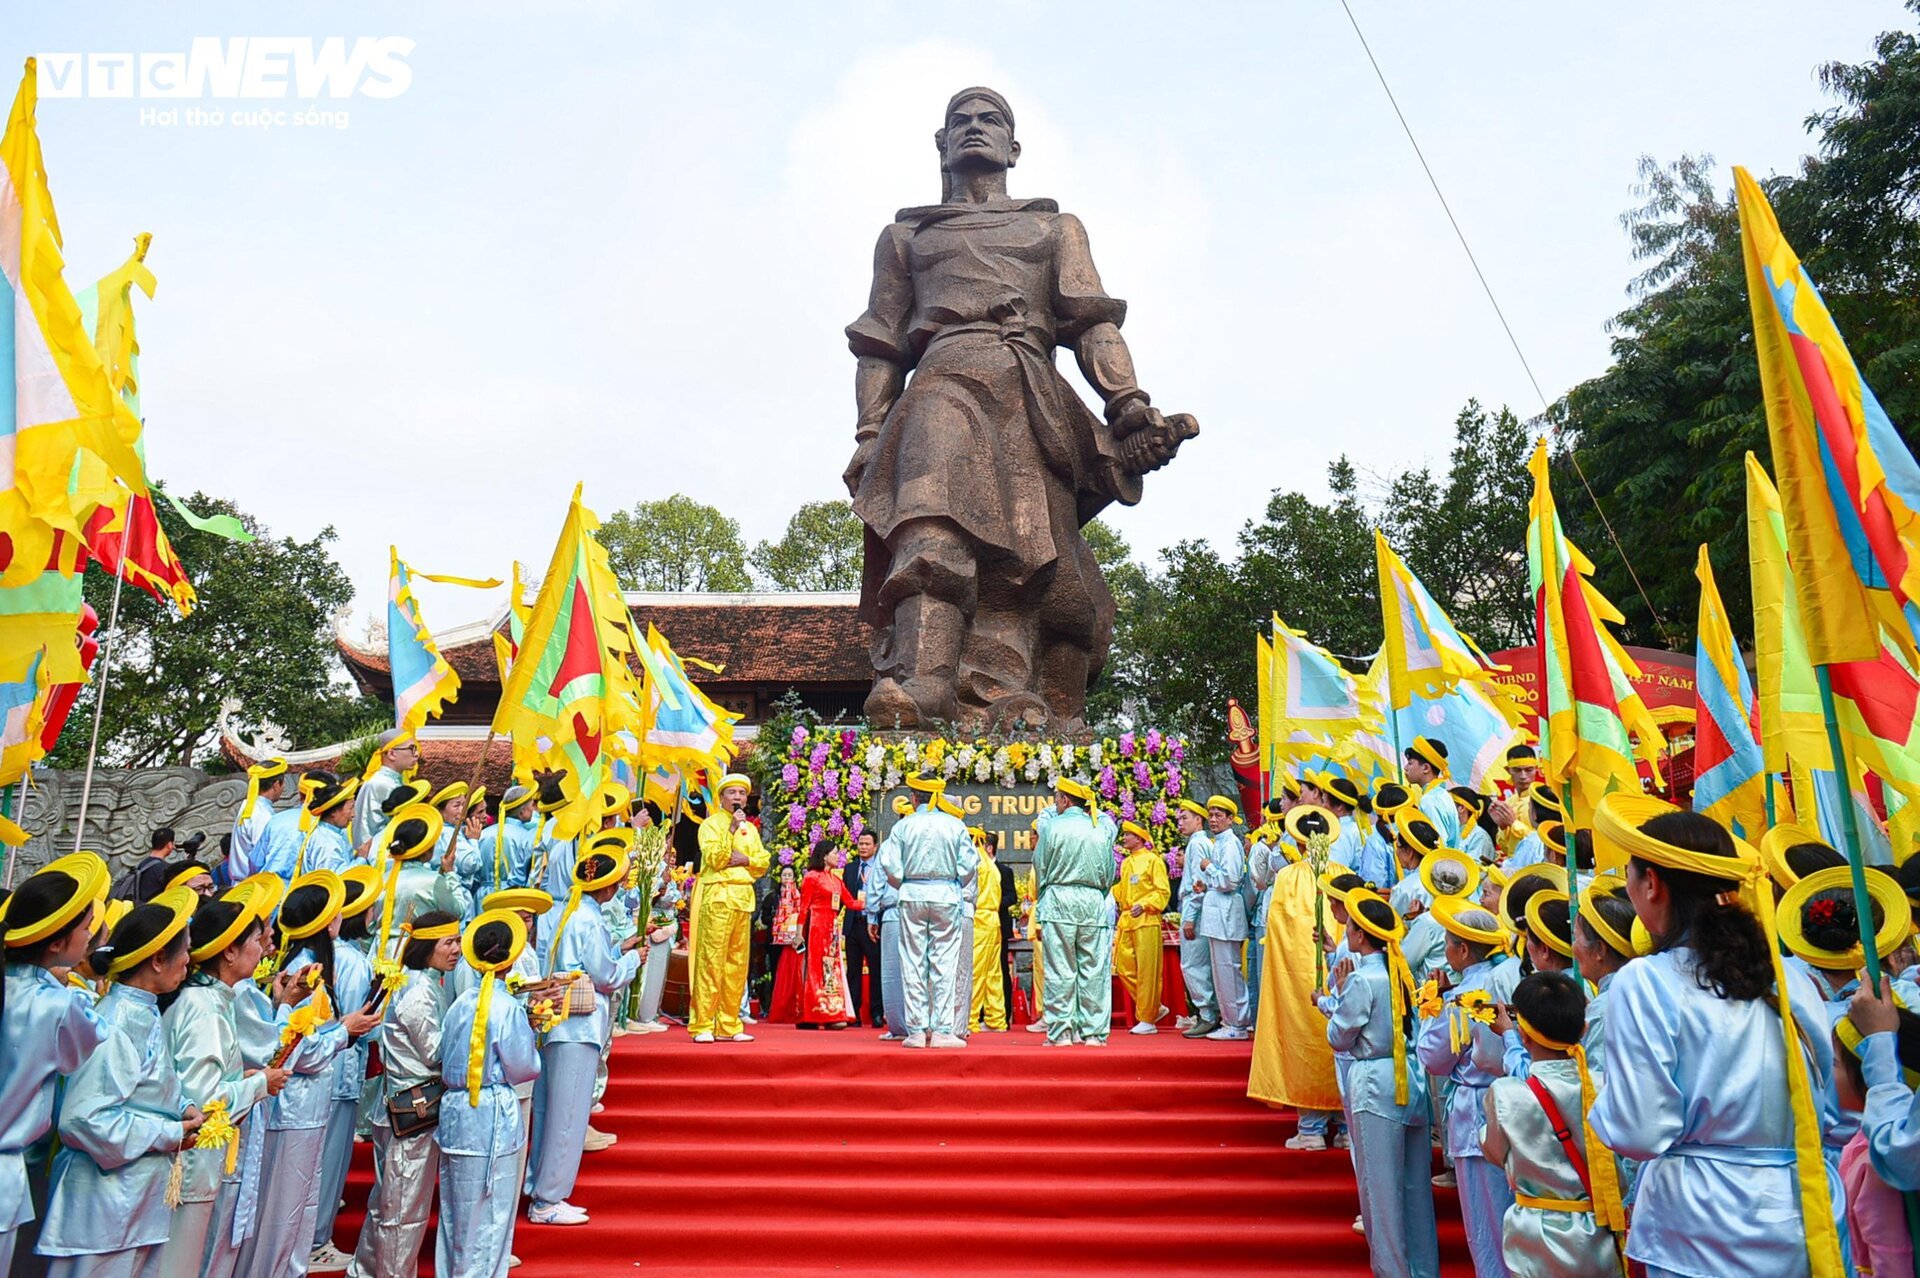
x=975, y=476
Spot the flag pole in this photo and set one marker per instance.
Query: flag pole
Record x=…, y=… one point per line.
x=1771, y=819
x=1862, y=900
x=100, y=698
x=16, y=804
x=1573, y=871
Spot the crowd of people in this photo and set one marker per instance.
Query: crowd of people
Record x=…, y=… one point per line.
x=1672, y=1061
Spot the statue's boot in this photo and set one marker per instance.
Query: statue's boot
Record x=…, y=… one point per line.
x=926, y=647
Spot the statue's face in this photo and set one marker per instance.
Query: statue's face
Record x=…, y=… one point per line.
x=977, y=134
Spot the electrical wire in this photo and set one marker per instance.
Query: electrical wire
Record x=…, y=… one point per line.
x=1500, y=314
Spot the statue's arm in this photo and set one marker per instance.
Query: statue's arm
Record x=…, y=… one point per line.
x=1108, y=367
x=878, y=340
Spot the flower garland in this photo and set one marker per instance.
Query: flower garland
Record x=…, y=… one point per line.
x=828, y=779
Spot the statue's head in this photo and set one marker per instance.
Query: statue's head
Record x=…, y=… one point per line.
x=977, y=132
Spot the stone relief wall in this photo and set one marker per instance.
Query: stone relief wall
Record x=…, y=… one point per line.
x=124, y=809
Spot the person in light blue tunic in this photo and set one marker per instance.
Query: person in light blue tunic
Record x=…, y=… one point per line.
x=47, y=1028
x=353, y=984
x=1821, y=930
x=265, y=781
x=1264, y=859
x=486, y=1052
x=1196, y=955
x=1447, y=1047
x=1477, y=830
x=414, y=881
x=1425, y=764
x=1385, y=1093
x=1700, y=1087
x=506, y=851
x=1343, y=800
x=399, y=1210
x=1415, y=838
x=563, y=1096
x=372, y=811
x=123, y=1115
x=936, y=860
x=1378, y=863
x=289, y=1196
x=883, y=923
x=226, y=939
x=1542, y=806
x=1223, y=918
x=317, y=837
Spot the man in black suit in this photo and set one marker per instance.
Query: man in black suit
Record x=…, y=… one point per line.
x=863, y=948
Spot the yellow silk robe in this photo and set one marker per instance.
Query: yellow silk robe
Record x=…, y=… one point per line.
x=1292, y=1063
x=989, y=994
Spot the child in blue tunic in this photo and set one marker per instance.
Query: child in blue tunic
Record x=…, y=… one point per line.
x=124, y=1115
x=1385, y=1093
x=486, y=1052
x=1449, y=1046
x=47, y=1027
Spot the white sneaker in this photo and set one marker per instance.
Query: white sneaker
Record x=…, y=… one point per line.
x=1446, y=1180
x=328, y=1260
x=741, y=1037
x=1182, y=1023
x=1341, y=1140
x=1161, y=1015
x=947, y=1040
x=1229, y=1034
x=1360, y=1226
x=703, y=1038
x=1145, y=1027
x=916, y=1040
x=597, y=1108
x=1093, y=1042
x=749, y=1020
x=1037, y=1027
x=556, y=1214
x=513, y=1261
x=1307, y=1141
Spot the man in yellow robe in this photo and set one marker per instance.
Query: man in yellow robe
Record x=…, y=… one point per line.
x=1142, y=894
x=731, y=858
x=1292, y=1063
x=989, y=995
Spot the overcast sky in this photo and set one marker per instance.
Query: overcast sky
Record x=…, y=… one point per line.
x=618, y=242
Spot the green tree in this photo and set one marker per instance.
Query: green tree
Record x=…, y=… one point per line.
x=262, y=635
x=675, y=543
x=1185, y=632
x=822, y=549
x=1661, y=435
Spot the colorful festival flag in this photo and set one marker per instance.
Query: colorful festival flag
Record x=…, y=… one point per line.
x=1792, y=724
x=683, y=725
x=124, y=534
x=1592, y=722
x=1849, y=488
x=58, y=403
x=570, y=691
x=1475, y=726
x=1426, y=655
x=1729, y=779
x=1309, y=703
x=1874, y=701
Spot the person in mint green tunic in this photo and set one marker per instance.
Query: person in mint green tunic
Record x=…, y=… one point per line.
x=124, y=1114
x=1073, y=867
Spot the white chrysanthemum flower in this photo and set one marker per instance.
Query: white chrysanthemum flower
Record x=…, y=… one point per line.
x=876, y=756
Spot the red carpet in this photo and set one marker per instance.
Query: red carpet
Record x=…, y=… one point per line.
x=814, y=1152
